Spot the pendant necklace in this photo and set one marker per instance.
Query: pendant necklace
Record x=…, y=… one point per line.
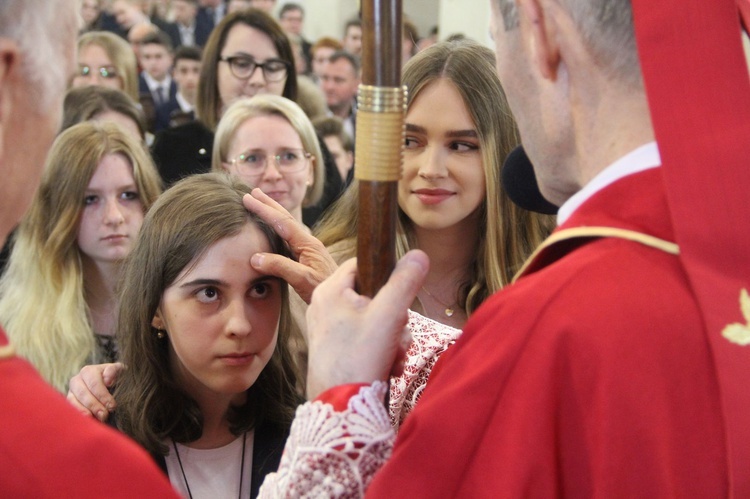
x=242, y=466
x=449, y=310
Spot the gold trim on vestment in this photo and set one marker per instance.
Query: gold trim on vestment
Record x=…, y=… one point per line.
x=580, y=232
x=7, y=351
x=737, y=333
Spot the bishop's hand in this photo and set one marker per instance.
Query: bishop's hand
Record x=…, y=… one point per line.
x=356, y=339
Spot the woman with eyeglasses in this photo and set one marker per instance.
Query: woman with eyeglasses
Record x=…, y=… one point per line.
x=247, y=54
x=106, y=60
x=268, y=142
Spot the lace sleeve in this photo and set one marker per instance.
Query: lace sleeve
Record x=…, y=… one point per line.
x=429, y=340
x=334, y=454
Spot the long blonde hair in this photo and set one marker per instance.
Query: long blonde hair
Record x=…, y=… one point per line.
x=42, y=302
x=508, y=234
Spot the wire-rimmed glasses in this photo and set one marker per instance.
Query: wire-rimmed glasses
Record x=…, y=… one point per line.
x=254, y=162
x=104, y=71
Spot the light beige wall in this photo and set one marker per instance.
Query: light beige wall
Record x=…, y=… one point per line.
x=325, y=17
x=423, y=13
x=471, y=17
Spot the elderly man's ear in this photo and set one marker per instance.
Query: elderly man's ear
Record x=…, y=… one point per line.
x=9, y=64
x=541, y=21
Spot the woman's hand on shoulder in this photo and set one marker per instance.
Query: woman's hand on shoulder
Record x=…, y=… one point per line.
x=88, y=391
x=314, y=264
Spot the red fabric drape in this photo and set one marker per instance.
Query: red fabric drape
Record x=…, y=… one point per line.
x=699, y=95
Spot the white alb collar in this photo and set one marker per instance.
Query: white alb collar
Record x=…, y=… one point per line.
x=643, y=158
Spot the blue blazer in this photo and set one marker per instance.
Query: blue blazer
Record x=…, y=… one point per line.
x=204, y=18
x=166, y=112
x=143, y=89
x=203, y=28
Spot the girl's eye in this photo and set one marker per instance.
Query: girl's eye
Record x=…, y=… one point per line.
x=253, y=158
x=463, y=146
x=288, y=157
x=89, y=200
x=129, y=195
x=207, y=295
x=260, y=290
x=410, y=143
x=242, y=62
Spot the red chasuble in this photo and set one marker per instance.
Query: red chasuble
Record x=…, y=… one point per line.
x=47, y=449
x=617, y=366
x=590, y=376
x=699, y=94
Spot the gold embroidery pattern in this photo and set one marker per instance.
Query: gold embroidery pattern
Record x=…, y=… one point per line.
x=737, y=333
x=578, y=232
x=6, y=351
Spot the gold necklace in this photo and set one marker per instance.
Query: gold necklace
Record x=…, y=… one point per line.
x=449, y=309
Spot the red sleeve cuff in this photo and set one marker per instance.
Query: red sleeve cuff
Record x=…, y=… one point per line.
x=339, y=396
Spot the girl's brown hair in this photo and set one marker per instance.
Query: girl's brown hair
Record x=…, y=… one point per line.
x=186, y=220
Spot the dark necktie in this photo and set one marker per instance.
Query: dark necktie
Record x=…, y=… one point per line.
x=159, y=100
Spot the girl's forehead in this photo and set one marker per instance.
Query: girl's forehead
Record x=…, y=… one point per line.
x=229, y=254
x=251, y=40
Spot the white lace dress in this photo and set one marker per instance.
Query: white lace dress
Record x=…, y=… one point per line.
x=337, y=453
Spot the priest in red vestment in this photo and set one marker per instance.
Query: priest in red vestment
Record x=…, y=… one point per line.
x=616, y=365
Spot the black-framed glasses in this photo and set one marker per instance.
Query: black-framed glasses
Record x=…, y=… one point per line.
x=242, y=67
x=104, y=71
x=254, y=162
